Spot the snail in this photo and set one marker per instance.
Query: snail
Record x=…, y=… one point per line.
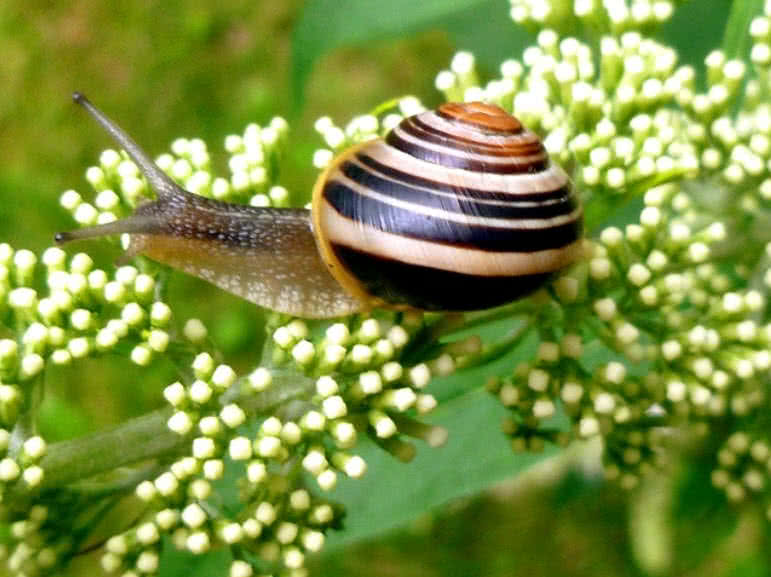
x=455, y=209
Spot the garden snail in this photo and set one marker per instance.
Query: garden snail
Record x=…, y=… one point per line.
x=456, y=209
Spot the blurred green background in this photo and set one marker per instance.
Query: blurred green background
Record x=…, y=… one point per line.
x=192, y=68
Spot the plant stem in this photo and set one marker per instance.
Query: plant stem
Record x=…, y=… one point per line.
x=736, y=40
x=148, y=437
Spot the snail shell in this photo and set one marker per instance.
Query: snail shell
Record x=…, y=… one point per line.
x=456, y=209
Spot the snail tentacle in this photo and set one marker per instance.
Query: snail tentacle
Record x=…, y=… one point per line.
x=159, y=180
x=265, y=255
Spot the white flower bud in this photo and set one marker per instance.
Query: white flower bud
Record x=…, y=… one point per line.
x=327, y=480
x=69, y=200
x=419, y=375
x=167, y=484
x=180, y=423
x=158, y=340
x=79, y=347
x=298, y=329
x=344, y=433
x=398, y=336
x=698, y=252
x=303, y=352
x=31, y=366
x=605, y=308
x=362, y=354
x=240, y=568
x=193, y=516
x=538, y=380
x=198, y=542
x=201, y=392
x=195, y=331
x=588, y=427
x=425, y=403
x=315, y=461
x=312, y=540
x=326, y=386
x=338, y=334
x=604, y=403
x=293, y=558
x=649, y=295
x=638, y=274
x=256, y=472
x=543, y=408
x=223, y=377
x=571, y=392
x=132, y=314
x=147, y=533
x=369, y=331
x=265, y=513
x=268, y=446
x=382, y=423
x=391, y=372
x=199, y=489
x=204, y=448
x=210, y=426
x=114, y=292
x=313, y=421
x=240, y=449
x=34, y=447
x=213, y=469
x=23, y=298
x=260, y=379
x=146, y=492
x=9, y=470
x=322, y=158
x=232, y=415
x=370, y=382
x=110, y=562
x=33, y=475
x=334, y=407
x=286, y=532
x=400, y=399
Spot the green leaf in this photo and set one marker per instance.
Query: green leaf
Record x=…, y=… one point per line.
x=489, y=33
x=702, y=519
x=176, y=563
x=694, y=28
x=329, y=24
x=392, y=493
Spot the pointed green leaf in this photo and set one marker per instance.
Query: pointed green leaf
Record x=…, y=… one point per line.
x=329, y=24
x=392, y=493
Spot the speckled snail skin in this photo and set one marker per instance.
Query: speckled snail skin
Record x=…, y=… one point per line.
x=456, y=209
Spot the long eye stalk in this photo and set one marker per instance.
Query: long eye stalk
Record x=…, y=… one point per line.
x=265, y=255
x=159, y=180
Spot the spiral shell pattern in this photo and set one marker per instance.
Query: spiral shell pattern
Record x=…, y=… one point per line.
x=456, y=209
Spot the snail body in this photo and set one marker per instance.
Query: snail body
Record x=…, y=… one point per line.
x=456, y=209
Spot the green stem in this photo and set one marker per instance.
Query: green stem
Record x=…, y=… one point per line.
x=736, y=38
x=147, y=437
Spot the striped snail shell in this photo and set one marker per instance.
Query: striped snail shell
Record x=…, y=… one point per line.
x=456, y=209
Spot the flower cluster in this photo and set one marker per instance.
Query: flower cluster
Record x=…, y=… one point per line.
x=63, y=323
x=613, y=123
x=615, y=16
x=665, y=326
x=279, y=521
x=351, y=383
x=362, y=128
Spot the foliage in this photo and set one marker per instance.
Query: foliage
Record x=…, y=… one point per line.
x=657, y=344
